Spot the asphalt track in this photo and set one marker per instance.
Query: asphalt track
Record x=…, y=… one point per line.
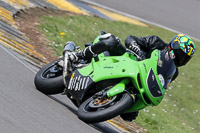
x=23, y=109
x=181, y=16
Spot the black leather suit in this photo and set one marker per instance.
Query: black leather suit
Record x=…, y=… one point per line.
x=115, y=47
x=149, y=44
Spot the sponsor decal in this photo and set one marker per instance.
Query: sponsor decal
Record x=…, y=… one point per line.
x=78, y=82
x=160, y=63
x=162, y=80
x=153, y=77
x=145, y=67
x=108, y=67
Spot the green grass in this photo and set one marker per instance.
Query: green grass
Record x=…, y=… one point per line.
x=179, y=112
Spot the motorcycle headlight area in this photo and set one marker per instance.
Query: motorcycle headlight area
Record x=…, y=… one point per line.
x=152, y=84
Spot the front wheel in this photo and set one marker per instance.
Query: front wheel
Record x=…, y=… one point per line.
x=96, y=110
x=49, y=80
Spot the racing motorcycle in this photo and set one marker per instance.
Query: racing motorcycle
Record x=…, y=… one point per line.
x=108, y=85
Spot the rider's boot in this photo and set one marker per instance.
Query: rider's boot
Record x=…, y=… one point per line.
x=107, y=42
x=129, y=117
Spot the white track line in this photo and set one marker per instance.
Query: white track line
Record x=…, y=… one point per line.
x=132, y=16
x=17, y=59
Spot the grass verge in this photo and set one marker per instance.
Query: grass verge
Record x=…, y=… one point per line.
x=179, y=112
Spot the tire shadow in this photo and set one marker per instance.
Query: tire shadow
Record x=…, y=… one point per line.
x=104, y=127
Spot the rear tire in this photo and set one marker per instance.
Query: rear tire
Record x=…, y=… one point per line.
x=121, y=103
x=49, y=82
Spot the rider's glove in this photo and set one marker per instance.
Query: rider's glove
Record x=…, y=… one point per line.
x=108, y=40
x=105, y=36
x=134, y=47
x=69, y=48
x=142, y=55
x=72, y=56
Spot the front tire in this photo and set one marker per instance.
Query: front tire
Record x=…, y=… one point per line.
x=90, y=113
x=49, y=79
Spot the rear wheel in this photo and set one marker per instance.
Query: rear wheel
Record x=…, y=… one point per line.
x=49, y=80
x=96, y=109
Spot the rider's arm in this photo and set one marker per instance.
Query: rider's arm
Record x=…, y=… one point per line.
x=147, y=44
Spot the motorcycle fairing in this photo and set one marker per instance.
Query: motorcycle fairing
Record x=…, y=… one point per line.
x=115, y=67
x=78, y=85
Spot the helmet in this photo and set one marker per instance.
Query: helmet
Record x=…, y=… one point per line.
x=181, y=49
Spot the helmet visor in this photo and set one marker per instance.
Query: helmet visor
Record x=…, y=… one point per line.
x=181, y=58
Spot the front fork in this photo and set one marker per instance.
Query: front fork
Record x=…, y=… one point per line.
x=69, y=47
x=65, y=66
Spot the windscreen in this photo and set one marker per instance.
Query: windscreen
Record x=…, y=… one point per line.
x=165, y=68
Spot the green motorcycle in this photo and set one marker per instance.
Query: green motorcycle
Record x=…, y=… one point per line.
x=109, y=85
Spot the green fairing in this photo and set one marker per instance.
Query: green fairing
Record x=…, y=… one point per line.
x=129, y=69
x=119, y=88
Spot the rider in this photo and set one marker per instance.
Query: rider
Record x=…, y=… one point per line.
x=180, y=52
